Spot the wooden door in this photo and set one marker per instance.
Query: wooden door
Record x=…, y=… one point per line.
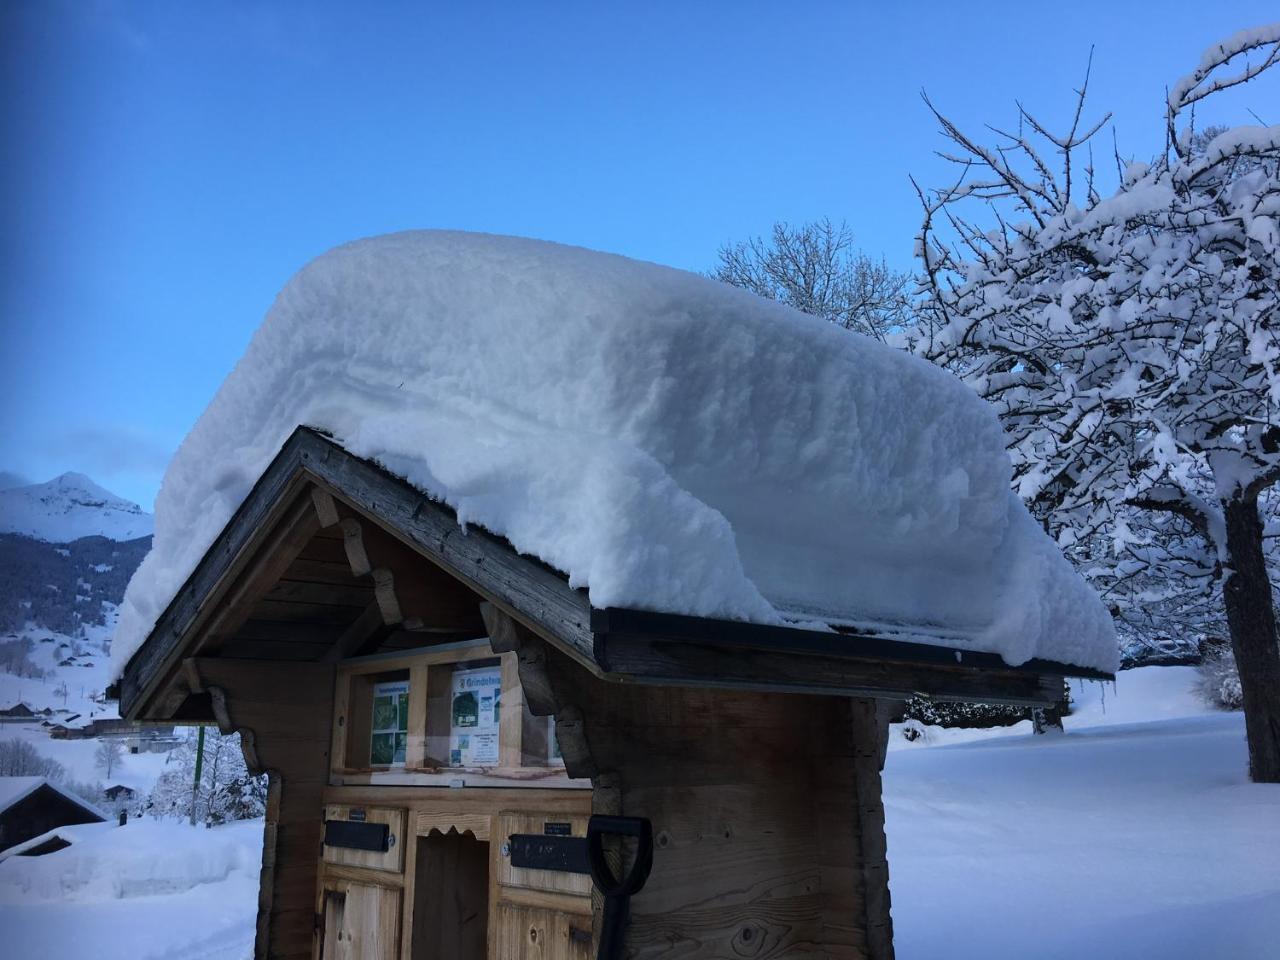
x=451, y=898
x=361, y=922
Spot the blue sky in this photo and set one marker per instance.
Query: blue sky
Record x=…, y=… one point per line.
x=168, y=165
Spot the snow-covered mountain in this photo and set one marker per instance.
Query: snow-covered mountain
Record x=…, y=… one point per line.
x=70, y=507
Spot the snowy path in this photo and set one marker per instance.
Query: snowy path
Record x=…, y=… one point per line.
x=1124, y=841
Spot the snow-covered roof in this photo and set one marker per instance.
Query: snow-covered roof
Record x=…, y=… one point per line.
x=15, y=789
x=67, y=835
x=669, y=442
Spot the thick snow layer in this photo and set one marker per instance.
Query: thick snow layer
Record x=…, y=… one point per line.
x=1135, y=834
x=150, y=889
x=70, y=507
x=669, y=442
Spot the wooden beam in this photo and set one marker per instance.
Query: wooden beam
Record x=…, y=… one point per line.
x=356, y=638
x=508, y=635
x=486, y=564
x=412, y=591
x=326, y=509
x=870, y=723
x=911, y=646
x=226, y=583
x=538, y=596
x=692, y=664
x=283, y=713
x=294, y=531
x=511, y=717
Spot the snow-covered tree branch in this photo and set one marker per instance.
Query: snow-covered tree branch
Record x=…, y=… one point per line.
x=1130, y=344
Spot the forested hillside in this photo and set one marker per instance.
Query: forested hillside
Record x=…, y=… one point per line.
x=60, y=586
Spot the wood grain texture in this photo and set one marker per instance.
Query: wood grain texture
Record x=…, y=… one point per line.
x=524, y=932
x=270, y=516
x=758, y=835
x=700, y=664
x=361, y=921
x=510, y=822
x=284, y=711
x=451, y=898
x=479, y=825
x=870, y=733
x=382, y=878
x=536, y=595
x=391, y=859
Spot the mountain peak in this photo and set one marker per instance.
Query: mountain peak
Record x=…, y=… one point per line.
x=68, y=507
x=71, y=478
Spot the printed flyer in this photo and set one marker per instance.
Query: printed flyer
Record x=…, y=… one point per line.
x=473, y=732
x=389, y=731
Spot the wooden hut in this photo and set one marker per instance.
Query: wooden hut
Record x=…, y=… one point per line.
x=31, y=806
x=440, y=716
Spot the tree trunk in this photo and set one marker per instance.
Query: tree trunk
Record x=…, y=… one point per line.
x=1251, y=617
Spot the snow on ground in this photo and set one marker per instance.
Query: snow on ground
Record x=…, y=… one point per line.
x=1125, y=837
x=1149, y=693
x=136, y=770
x=85, y=680
x=151, y=890
x=85, y=677
x=669, y=442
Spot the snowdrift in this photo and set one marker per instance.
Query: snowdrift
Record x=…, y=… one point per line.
x=668, y=442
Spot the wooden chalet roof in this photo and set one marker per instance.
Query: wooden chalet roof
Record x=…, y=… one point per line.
x=331, y=556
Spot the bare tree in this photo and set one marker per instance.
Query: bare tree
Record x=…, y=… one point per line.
x=18, y=758
x=108, y=756
x=817, y=269
x=1131, y=344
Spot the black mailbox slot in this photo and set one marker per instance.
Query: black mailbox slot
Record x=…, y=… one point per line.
x=535, y=851
x=357, y=836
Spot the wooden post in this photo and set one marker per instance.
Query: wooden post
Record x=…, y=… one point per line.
x=195, y=780
x=283, y=712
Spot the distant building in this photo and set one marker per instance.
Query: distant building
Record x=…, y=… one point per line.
x=18, y=712
x=118, y=791
x=31, y=806
x=138, y=737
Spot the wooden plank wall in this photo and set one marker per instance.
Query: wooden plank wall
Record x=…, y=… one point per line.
x=283, y=712
x=769, y=830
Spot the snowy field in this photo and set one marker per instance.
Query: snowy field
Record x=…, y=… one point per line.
x=1135, y=834
x=150, y=890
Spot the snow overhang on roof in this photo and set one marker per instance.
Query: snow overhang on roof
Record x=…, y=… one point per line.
x=297, y=506
x=14, y=790
x=667, y=442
